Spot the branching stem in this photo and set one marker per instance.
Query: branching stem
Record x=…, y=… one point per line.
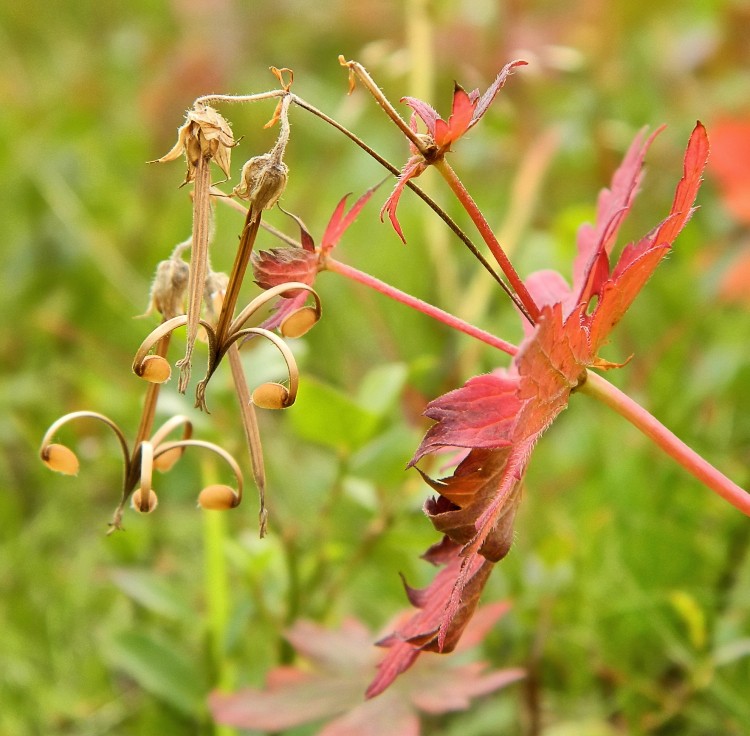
x=530, y=308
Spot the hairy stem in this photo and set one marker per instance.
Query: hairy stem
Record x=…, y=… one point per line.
x=411, y=301
x=414, y=188
x=698, y=466
x=369, y=84
x=530, y=308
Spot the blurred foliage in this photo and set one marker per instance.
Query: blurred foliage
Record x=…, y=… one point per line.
x=629, y=580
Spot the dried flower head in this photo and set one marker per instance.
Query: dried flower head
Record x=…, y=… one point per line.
x=205, y=134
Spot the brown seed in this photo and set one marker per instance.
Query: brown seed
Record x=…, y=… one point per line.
x=155, y=369
x=166, y=460
x=218, y=498
x=271, y=396
x=60, y=459
x=299, y=322
x=143, y=505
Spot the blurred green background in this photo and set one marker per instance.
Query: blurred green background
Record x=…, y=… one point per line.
x=630, y=582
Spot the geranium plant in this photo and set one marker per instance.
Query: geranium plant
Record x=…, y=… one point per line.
x=491, y=424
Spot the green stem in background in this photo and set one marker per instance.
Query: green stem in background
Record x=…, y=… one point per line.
x=410, y=301
x=216, y=592
x=529, y=306
x=696, y=465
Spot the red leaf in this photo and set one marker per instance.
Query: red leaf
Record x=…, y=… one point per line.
x=427, y=113
x=420, y=632
x=486, y=99
x=462, y=111
x=639, y=260
x=591, y=266
x=466, y=111
x=551, y=363
x=330, y=682
x=281, y=265
x=413, y=168
x=340, y=222
x=481, y=414
x=501, y=416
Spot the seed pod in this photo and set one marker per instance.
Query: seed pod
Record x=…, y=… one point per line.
x=144, y=505
x=262, y=181
x=218, y=498
x=155, y=369
x=168, y=288
x=271, y=396
x=60, y=459
x=299, y=322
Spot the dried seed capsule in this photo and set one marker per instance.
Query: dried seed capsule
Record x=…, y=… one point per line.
x=262, y=181
x=218, y=498
x=271, y=396
x=299, y=322
x=169, y=287
x=144, y=504
x=60, y=459
x=155, y=369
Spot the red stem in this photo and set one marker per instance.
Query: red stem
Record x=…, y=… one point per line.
x=488, y=236
x=421, y=306
x=698, y=466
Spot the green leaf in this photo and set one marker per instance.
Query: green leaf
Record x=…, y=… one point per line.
x=152, y=592
x=381, y=387
x=327, y=416
x=161, y=669
x=383, y=459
